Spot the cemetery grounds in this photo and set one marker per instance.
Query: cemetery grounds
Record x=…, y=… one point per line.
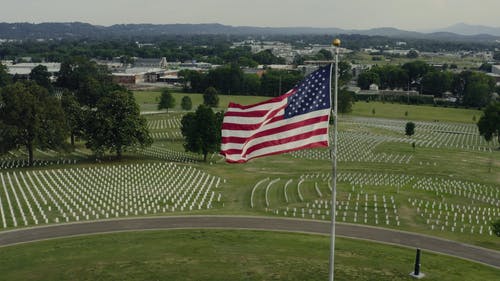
x=448, y=186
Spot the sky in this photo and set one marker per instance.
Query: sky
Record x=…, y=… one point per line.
x=417, y=15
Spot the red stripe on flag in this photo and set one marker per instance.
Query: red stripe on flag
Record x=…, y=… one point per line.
x=255, y=113
x=249, y=127
x=276, y=99
x=311, y=145
x=277, y=130
x=270, y=143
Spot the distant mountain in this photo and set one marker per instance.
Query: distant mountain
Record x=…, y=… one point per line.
x=468, y=29
x=78, y=30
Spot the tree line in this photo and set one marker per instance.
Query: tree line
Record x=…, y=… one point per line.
x=230, y=79
x=472, y=88
x=212, y=48
x=89, y=106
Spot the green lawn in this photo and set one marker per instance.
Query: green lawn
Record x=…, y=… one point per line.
x=415, y=112
x=148, y=100
x=223, y=255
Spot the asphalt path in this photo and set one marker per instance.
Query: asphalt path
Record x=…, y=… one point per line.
x=388, y=236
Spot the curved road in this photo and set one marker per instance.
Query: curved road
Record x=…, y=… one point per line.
x=407, y=239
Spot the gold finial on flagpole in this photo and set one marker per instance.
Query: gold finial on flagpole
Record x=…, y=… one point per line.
x=336, y=42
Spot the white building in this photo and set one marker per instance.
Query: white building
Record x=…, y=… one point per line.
x=495, y=69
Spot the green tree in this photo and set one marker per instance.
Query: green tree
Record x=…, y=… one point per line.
x=437, y=82
x=345, y=73
x=474, y=88
x=166, y=100
x=210, y=97
x=412, y=54
x=201, y=131
x=74, y=115
x=116, y=124
x=416, y=70
x=41, y=76
x=30, y=117
x=251, y=84
x=496, y=227
x=5, y=78
x=346, y=100
x=489, y=123
x=410, y=129
x=277, y=82
x=391, y=76
x=367, y=78
x=325, y=54
x=186, y=103
x=267, y=57
x=486, y=67
x=88, y=80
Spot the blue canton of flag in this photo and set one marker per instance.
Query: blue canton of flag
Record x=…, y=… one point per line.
x=312, y=94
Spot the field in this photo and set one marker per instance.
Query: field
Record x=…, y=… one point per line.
x=148, y=100
x=222, y=255
x=447, y=186
x=462, y=62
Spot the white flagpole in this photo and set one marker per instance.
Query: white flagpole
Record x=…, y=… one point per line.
x=331, y=276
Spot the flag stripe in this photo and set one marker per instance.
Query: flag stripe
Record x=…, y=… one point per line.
x=265, y=105
x=303, y=144
x=229, y=130
x=291, y=137
x=254, y=121
x=291, y=128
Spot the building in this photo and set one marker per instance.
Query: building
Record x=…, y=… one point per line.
x=495, y=69
x=137, y=75
x=24, y=69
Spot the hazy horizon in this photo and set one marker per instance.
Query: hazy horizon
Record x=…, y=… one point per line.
x=420, y=15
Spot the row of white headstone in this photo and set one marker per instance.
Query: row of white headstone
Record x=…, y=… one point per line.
x=168, y=154
x=160, y=124
x=45, y=196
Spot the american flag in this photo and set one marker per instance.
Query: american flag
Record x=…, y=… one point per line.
x=296, y=120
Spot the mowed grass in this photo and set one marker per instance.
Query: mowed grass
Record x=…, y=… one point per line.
x=415, y=112
x=148, y=100
x=223, y=255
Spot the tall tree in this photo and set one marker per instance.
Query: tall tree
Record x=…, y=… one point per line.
x=325, y=54
x=267, y=57
x=30, y=117
x=345, y=73
x=367, y=78
x=478, y=89
x=186, y=103
x=210, y=97
x=412, y=54
x=74, y=115
x=86, y=79
x=41, y=76
x=437, y=82
x=201, y=131
x=166, y=100
x=346, y=100
x=5, y=78
x=416, y=70
x=489, y=123
x=116, y=124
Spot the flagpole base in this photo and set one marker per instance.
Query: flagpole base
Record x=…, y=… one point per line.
x=419, y=276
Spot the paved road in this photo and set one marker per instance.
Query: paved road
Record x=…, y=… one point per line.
x=482, y=255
